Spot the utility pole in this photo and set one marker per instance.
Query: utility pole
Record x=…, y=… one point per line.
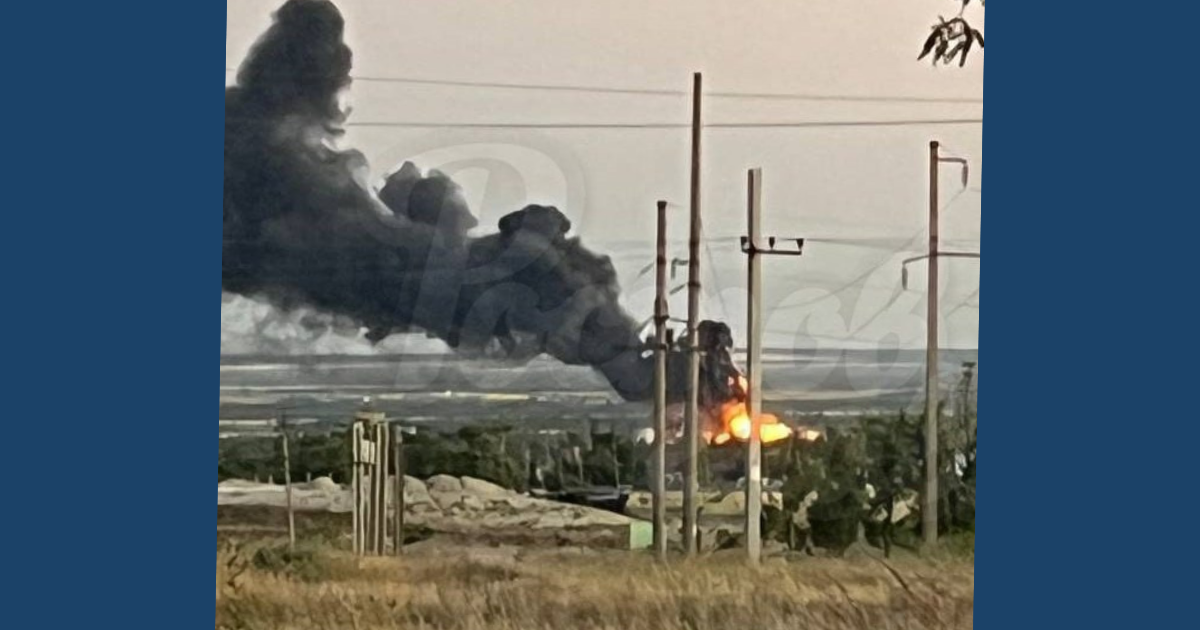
x=692, y=409
x=660, y=386
x=754, y=371
x=752, y=246
x=929, y=503
x=929, y=510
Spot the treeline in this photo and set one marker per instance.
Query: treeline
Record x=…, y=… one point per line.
x=863, y=475
x=501, y=455
x=261, y=457
x=859, y=475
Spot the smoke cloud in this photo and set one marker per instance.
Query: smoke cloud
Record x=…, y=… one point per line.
x=304, y=229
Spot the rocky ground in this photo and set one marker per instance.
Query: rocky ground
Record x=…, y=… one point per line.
x=480, y=510
x=451, y=505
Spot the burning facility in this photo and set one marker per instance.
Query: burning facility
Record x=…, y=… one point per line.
x=304, y=227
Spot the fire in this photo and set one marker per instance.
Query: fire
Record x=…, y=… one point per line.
x=735, y=422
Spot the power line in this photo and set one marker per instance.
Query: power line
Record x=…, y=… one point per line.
x=869, y=271
x=746, y=125
x=855, y=281
x=888, y=243
x=966, y=303
x=783, y=96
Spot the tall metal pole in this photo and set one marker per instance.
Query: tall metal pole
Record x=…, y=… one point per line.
x=929, y=511
x=660, y=386
x=692, y=410
x=753, y=371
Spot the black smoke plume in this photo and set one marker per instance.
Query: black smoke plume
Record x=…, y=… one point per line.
x=303, y=227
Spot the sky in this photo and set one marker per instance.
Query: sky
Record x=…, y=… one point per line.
x=858, y=194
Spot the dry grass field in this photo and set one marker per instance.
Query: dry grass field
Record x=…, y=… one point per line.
x=448, y=585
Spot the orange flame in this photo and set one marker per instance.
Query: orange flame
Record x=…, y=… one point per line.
x=735, y=422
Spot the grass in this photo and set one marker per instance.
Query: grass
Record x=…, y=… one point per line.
x=440, y=585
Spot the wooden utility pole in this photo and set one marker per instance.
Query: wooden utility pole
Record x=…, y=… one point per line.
x=660, y=386
x=287, y=481
x=692, y=409
x=753, y=369
x=929, y=511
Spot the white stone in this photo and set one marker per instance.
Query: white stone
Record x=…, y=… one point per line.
x=444, y=483
x=446, y=500
x=483, y=489
x=520, y=503
x=473, y=503
x=415, y=492
x=551, y=520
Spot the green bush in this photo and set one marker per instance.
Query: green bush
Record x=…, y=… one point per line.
x=886, y=453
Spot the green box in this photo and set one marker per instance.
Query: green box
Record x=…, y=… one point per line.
x=641, y=535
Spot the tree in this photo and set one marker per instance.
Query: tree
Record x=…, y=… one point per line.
x=951, y=38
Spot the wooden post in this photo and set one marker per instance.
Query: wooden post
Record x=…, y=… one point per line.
x=579, y=465
x=659, y=485
x=692, y=411
x=399, y=465
x=362, y=490
x=382, y=440
x=529, y=473
x=754, y=370
x=371, y=479
x=553, y=456
x=287, y=482
x=354, y=487
x=616, y=463
x=364, y=516
x=378, y=498
x=929, y=519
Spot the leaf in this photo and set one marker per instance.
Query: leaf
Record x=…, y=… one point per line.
x=941, y=51
x=954, y=51
x=966, y=48
x=933, y=38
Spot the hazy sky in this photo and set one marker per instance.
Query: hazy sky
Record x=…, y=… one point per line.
x=859, y=193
